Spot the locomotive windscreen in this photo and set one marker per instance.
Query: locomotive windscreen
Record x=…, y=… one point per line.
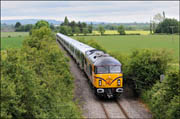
x=106, y=65
x=107, y=69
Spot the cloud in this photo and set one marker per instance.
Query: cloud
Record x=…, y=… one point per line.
x=108, y=11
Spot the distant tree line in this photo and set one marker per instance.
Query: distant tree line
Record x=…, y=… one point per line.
x=70, y=28
x=27, y=28
x=19, y=27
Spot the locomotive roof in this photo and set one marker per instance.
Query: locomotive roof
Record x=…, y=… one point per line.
x=76, y=44
x=101, y=61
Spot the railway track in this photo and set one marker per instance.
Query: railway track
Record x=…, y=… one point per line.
x=114, y=109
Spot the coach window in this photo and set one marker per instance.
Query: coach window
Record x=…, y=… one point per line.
x=90, y=69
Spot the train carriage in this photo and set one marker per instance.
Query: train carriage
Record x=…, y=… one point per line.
x=103, y=71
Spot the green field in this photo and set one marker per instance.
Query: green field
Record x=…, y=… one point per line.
x=115, y=43
x=12, y=39
x=125, y=43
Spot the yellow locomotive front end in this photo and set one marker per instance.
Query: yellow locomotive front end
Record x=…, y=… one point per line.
x=108, y=77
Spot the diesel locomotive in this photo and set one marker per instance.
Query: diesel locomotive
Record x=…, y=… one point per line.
x=103, y=71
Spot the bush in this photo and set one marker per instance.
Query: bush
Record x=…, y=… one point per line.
x=146, y=66
x=162, y=99
x=36, y=80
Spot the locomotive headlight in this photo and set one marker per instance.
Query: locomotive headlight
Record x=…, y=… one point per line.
x=118, y=82
x=100, y=82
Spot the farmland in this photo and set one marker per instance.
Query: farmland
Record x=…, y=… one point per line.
x=12, y=39
x=141, y=32
x=114, y=43
x=125, y=44
x=14, y=34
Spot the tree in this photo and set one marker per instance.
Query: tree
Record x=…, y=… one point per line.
x=90, y=28
x=121, y=30
x=66, y=30
x=72, y=25
x=167, y=26
x=17, y=25
x=66, y=21
x=77, y=30
x=101, y=29
x=164, y=16
x=80, y=27
x=52, y=26
x=158, y=18
x=85, y=31
x=41, y=23
x=28, y=27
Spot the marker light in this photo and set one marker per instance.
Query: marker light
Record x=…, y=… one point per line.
x=100, y=82
x=118, y=82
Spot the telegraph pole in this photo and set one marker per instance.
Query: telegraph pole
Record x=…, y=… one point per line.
x=172, y=29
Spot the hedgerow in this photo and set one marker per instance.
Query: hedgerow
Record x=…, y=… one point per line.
x=36, y=80
x=163, y=98
x=146, y=66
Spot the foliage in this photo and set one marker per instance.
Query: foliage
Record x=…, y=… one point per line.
x=85, y=31
x=163, y=98
x=168, y=26
x=36, y=80
x=65, y=30
x=101, y=29
x=70, y=28
x=146, y=67
x=121, y=30
x=41, y=23
x=20, y=28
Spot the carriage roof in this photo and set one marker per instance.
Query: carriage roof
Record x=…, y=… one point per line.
x=76, y=44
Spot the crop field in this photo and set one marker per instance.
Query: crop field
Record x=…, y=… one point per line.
x=14, y=34
x=125, y=44
x=127, y=32
x=12, y=39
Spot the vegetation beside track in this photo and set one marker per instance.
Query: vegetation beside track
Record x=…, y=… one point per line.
x=36, y=80
x=142, y=70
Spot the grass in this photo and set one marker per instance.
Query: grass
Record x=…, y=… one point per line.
x=125, y=43
x=15, y=42
x=12, y=39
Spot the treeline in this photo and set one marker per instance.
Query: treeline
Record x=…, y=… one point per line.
x=141, y=72
x=19, y=27
x=70, y=28
x=36, y=80
x=27, y=28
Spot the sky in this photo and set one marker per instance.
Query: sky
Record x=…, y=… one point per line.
x=95, y=11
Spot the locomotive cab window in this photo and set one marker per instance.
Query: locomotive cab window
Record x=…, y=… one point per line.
x=107, y=69
x=114, y=69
